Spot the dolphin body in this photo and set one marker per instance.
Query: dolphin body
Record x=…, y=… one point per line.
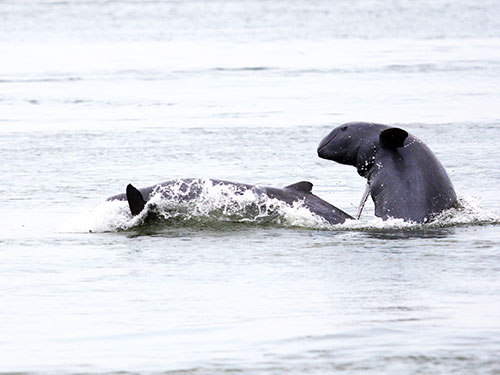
x=191, y=189
x=405, y=179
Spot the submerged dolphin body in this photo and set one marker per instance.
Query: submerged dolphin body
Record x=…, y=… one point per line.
x=405, y=179
x=191, y=189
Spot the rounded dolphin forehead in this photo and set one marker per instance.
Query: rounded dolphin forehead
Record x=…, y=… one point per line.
x=363, y=127
x=354, y=132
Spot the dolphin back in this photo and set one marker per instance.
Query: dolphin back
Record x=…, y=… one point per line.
x=410, y=183
x=191, y=189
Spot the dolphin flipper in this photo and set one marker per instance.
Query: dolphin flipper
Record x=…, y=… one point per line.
x=366, y=194
x=135, y=200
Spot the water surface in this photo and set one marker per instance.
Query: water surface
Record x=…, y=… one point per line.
x=96, y=95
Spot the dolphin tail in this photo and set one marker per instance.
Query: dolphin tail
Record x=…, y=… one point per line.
x=135, y=200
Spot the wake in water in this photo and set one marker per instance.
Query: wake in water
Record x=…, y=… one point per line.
x=208, y=204
x=220, y=206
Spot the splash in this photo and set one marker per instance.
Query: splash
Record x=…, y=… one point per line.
x=211, y=206
x=220, y=206
x=467, y=212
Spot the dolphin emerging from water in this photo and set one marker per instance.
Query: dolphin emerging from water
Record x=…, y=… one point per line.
x=405, y=179
x=191, y=189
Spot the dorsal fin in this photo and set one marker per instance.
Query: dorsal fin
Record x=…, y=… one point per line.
x=135, y=200
x=393, y=138
x=303, y=186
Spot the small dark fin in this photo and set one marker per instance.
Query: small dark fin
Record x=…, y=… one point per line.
x=393, y=138
x=135, y=200
x=303, y=186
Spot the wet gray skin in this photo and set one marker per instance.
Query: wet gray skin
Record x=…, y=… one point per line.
x=405, y=178
x=190, y=189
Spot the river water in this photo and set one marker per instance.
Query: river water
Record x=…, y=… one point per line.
x=98, y=94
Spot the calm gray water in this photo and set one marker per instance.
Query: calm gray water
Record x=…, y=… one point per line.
x=94, y=95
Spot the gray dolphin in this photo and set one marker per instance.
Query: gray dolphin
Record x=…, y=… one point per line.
x=189, y=189
x=405, y=179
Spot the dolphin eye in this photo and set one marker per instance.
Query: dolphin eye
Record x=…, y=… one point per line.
x=344, y=128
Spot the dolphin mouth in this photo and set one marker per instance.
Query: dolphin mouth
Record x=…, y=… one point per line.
x=324, y=143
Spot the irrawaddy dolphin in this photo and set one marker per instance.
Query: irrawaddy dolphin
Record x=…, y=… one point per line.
x=405, y=179
x=190, y=189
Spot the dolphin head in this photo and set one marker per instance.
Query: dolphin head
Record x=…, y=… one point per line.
x=343, y=143
x=353, y=143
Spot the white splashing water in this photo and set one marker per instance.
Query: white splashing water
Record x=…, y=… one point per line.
x=215, y=204
x=219, y=204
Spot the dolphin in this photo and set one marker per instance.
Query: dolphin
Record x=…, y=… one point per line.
x=189, y=189
x=405, y=179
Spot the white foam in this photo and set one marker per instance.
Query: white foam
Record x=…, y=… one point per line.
x=109, y=216
x=467, y=212
x=229, y=203
x=218, y=203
